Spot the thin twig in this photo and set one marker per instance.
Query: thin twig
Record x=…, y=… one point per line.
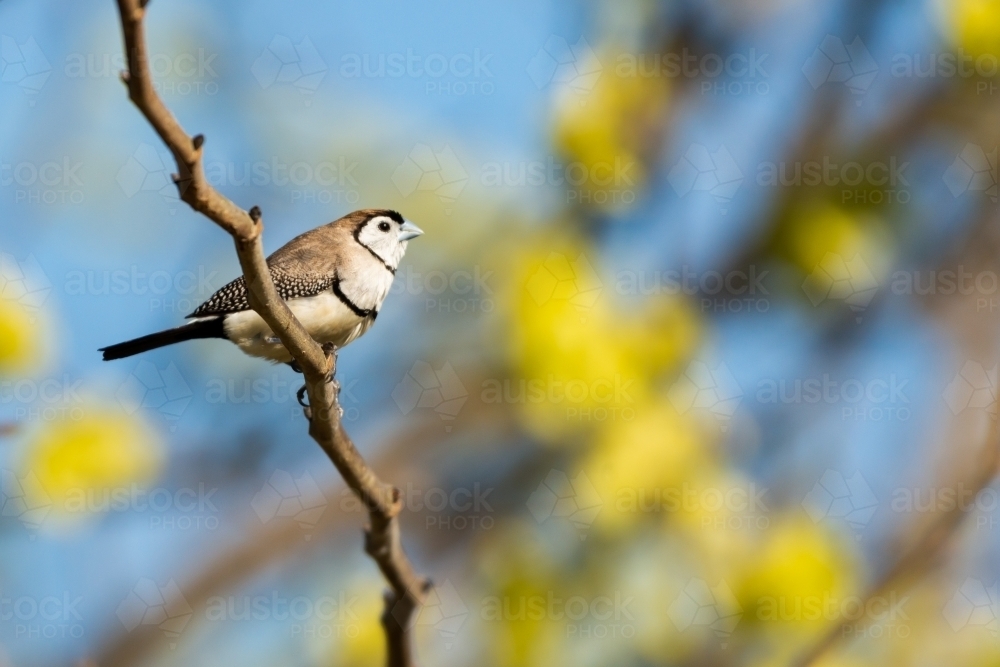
x=382, y=539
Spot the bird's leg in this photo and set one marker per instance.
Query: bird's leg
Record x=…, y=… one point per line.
x=294, y=365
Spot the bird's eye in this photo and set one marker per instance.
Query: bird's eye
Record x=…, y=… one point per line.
x=384, y=226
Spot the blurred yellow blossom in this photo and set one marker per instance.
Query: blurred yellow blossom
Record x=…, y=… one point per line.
x=100, y=450
x=974, y=25
x=798, y=578
x=843, y=252
x=20, y=338
x=360, y=637
x=818, y=228
x=520, y=578
x=605, y=133
x=580, y=361
x=646, y=465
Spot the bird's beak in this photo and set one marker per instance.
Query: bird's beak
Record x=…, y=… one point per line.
x=409, y=231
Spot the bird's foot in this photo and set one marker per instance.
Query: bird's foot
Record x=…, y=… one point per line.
x=330, y=350
x=294, y=365
x=300, y=395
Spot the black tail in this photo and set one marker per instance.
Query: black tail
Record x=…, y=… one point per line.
x=198, y=329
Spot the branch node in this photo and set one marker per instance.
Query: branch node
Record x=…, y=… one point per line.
x=396, y=506
x=198, y=141
x=254, y=212
x=125, y=77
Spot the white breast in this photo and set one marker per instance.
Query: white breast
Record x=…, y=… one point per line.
x=324, y=316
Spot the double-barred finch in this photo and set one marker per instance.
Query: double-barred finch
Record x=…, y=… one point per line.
x=334, y=279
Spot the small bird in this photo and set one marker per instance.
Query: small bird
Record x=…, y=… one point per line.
x=334, y=279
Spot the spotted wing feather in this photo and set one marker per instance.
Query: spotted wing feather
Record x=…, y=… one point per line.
x=232, y=297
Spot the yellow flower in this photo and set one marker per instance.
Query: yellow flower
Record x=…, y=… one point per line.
x=100, y=450
x=361, y=637
x=798, y=579
x=819, y=228
x=644, y=465
x=20, y=338
x=605, y=132
x=579, y=360
x=975, y=25
x=521, y=576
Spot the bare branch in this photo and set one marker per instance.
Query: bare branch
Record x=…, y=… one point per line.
x=382, y=540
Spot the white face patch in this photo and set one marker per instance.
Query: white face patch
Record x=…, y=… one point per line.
x=381, y=236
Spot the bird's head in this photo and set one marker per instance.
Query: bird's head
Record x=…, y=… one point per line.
x=384, y=233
